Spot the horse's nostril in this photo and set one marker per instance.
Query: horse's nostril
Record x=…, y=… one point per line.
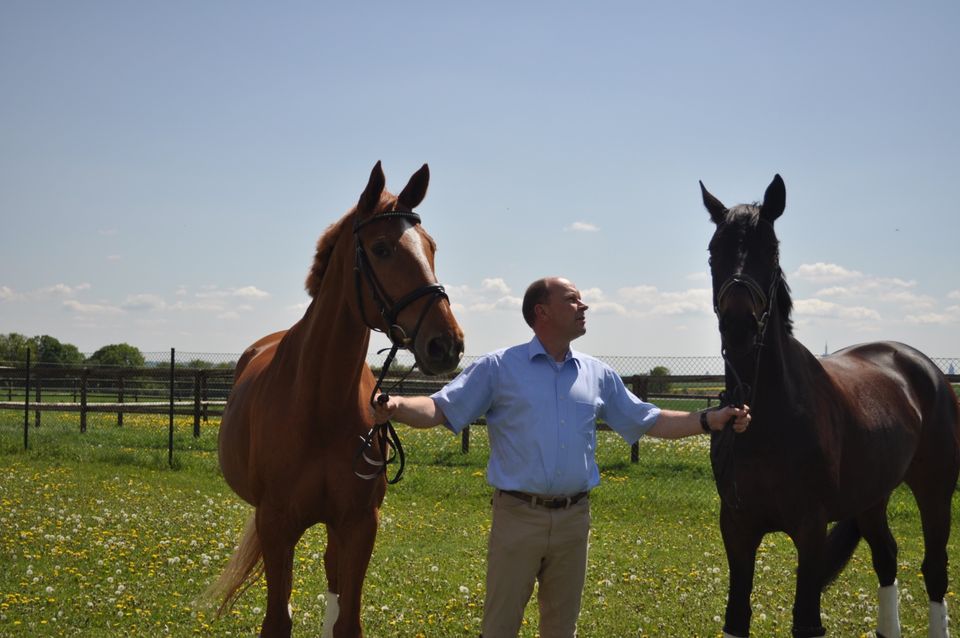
x=445, y=349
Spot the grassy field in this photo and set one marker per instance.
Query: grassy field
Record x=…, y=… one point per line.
x=99, y=537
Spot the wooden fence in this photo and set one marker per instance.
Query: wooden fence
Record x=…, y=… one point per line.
x=203, y=392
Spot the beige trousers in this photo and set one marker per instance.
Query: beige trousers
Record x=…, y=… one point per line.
x=529, y=544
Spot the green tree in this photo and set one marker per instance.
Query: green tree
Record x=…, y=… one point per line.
x=50, y=351
x=658, y=383
x=13, y=348
x=118, y=354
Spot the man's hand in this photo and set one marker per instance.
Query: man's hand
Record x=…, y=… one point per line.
x=383, y=408
x=717, y=419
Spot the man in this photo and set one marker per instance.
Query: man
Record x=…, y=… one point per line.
x=541, y=400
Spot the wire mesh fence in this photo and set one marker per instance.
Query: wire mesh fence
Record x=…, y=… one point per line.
x=164, y=411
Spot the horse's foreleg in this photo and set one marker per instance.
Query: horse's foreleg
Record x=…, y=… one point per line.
x=277, y=539
x=741, y=543
x=354, y=542
x=809, y=541
x=875, y=529
x=332, y=610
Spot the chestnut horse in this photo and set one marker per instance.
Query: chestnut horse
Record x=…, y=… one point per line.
x=829, y=441
x=299, y=407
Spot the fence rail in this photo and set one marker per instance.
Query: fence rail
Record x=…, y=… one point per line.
x=203, y=392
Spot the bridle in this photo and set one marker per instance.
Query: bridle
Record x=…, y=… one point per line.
x=725, y=450
x=389, y=310
x=762, y=301
x=384, y=434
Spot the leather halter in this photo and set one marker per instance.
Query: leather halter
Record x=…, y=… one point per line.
x=763, y=306
x=725, y=439
x=383, y=434
x=389, y=310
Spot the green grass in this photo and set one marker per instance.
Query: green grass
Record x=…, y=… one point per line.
x=99, y=537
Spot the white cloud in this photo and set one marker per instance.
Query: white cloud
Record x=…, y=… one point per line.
x=143, y=302
x=931, y=318
x=908, y=299
x=649, y=301
x=246, y=292
x=821, y=272
x=592, y=295
x=250, y=292
x=828, y=309
x=495, y=284
x=639, y=294
x=59, y=290
x=582, y=227
x=91, y=308
x=108, y=232
x=114, y=257
x=503, y=303
x=606, y=308
x=7, y=293
x=953, y=294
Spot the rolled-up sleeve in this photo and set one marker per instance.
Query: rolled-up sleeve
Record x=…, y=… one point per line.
x=468, y=396
x=623, y=411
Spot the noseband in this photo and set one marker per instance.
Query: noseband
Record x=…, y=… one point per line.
x=760, y=300
x=384, y=434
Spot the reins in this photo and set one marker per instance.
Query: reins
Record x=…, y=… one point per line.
x=726, y=441
x=384, y=435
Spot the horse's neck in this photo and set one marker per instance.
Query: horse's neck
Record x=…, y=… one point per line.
x=331, y=344
x=785, y=373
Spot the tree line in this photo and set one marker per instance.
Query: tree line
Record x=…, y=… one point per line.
x=50, y=351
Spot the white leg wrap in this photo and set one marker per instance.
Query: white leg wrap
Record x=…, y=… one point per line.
x=888, y=613
x=939, y=621
x=330, y=615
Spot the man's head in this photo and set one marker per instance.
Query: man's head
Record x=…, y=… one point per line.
x=552, y=305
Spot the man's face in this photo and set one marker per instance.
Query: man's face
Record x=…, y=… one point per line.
x=565, y=310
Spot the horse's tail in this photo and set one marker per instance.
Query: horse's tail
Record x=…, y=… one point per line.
x=243, y=570
x=842, y=540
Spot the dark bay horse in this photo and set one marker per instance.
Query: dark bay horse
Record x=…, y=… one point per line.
x=830, y=438
x=300, y=404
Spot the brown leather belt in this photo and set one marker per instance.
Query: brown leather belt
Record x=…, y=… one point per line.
x=555, y=503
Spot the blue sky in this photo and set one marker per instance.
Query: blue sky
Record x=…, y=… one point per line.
x=166, y=168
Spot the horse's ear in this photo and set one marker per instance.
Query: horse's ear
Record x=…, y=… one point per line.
x=714, y=206
x=416, y=189
x=774, y=200
x=371, y=194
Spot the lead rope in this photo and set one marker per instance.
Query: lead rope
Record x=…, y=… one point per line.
x=726, y=443
x=384, y=434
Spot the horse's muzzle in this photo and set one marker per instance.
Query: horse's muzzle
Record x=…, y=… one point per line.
x=443, y=354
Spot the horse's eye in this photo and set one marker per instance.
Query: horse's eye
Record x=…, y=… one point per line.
x=380, y=249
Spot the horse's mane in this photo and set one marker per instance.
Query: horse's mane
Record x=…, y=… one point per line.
x=325, y=247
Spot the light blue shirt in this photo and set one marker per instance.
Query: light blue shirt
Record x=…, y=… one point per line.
x=542, y=416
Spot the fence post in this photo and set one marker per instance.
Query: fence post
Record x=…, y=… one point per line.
x=640, y=385
x=84, y=376
x=26, y=403
x=196, y=404
x=36, y=414
x=204, y=393
x=120, y=399
x=173, y=356
x=465, y=440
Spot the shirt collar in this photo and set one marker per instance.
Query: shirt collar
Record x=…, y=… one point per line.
x=535, y=349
